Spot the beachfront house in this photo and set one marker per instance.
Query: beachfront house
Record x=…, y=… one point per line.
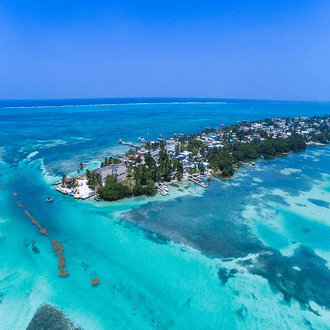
x=117, y=170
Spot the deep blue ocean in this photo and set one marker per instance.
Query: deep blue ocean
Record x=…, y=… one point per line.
x=251, y=252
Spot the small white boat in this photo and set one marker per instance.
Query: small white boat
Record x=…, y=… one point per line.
x=49, y=199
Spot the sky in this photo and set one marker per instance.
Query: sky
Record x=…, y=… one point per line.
x=244, y=49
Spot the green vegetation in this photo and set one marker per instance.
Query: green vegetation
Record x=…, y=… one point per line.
x=324, y=137
x=194, y=146
x=220, y=160
x=223, y=160
x=274, y=147
x=109, y=161
x=63, y=180
x=113, y=190
x=93, y=178
x=74, y=182
x=148, y=190
x=179, y=171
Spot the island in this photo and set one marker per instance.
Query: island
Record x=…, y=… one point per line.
x=150, y=167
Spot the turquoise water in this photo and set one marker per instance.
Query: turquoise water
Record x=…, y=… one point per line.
x=159, y=259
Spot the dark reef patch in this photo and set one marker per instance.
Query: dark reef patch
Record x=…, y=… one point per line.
x=319, y=202
x=277, y=199
x=34, y=248
x=308, y=281
x=221, y=232
x=242, y=313
x=50, y=318
x=308, y=324
x=225, y=274
x=302, y=205
x=160, y=239
x=31, y=243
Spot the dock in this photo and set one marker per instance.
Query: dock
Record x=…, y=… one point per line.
x=56, y=183
x=130, y=144
x=82, y=191
x=63, y=190
x=202, y=184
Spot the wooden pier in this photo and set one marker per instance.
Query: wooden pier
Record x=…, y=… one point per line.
x=202, y=184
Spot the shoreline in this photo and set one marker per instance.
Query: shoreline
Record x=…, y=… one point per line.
x=197, y=158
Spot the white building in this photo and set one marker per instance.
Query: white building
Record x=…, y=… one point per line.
x=117, y=170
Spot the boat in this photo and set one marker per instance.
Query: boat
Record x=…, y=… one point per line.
x=96, y=198
x=49, y=199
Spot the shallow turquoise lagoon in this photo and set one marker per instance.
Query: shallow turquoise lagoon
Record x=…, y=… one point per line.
x=222, y=258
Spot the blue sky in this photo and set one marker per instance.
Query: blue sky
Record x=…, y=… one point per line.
x=277, y=50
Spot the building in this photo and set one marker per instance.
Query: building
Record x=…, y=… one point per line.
x=184, y=155
x=117, y=170
x=170, y=145
x=155, y=154
x=143, y=151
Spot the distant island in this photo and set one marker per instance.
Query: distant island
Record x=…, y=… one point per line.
x=152, y=166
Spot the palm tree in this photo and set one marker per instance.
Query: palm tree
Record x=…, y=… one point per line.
x=74, y=183
x=63, y=180
x=81, y=166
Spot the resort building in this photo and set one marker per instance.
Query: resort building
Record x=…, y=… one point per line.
x=184, y=155
x=170, y=145
x=117, y=170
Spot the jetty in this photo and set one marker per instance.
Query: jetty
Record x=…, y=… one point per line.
x=56, y=183
x=63, y=190
x=130, y=144
x=200, y=183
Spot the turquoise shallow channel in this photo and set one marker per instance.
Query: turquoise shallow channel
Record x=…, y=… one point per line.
x=251, y=252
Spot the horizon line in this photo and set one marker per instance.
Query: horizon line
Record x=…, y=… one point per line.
x=154, y=98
